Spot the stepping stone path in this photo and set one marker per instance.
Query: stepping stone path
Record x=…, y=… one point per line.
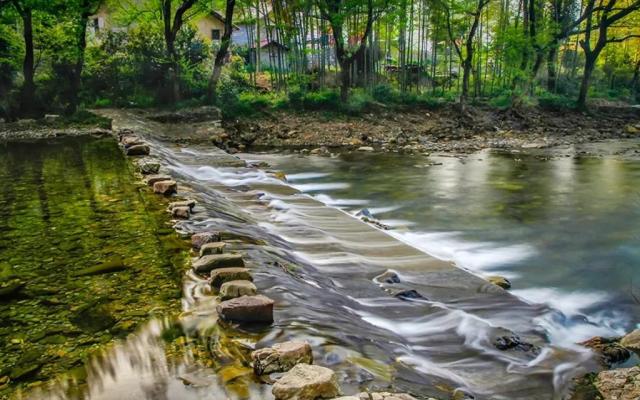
x=181, y=212
x=281, y=357
x=307, y=382
x=199, y=239
x=153, y=179
x=131, y=140
x=212, y=248
x=147, y=167
x=215, y=261
x=222, y=275
x=248, y=309
x=185, y=203
x=232, y=289
x=165, y=187
x=138, y=150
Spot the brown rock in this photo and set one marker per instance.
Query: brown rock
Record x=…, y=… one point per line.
x=281, y=357
x=247, y=309
x=307, y=382
x=609, y=350
x=619, y=384
x=131, y=140
x=165, y=187
x=222, y=275
x=184, y=203
x=199, y=239
x=212, y=248
x=215, y=261
x=632, y=341
x=181, y=212
x=138, y=150
x=152, y=179
x=232, y=289
x=499, y=281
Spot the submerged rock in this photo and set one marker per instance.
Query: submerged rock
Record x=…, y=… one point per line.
x=248, y=309
x=138, y=150
x=114, y=265
x=499, y=281
x=165, y=187
x=199, y=239
x=513, y=342
x=222, y=275
x=388, y=277
x=632, y=341
x=147, y=167
x=215, y=261
x=212, y=248
x=609, y=350
x=619, y=384
x=307, y=382
x=10, y=288
x=410, y=294
x=232, y=289
x=93, y=317
x=281, y=357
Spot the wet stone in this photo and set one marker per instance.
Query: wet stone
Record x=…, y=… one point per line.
x=222, y=275
x=199, y=239
x=215, y=261
x=212, y=248
x=632, y=341
x=138, y=150
x=409, y=295
x=500, y=281
x=388, y=277
x=609, y=350
x=307, y=382
x=152, y=179
x=185, y=203
x=165, y=187
x=232, y=289
x=247, y=309
x=131, y=140
x=513, y=342
x=181, y=212
x=281, y=357
x=147, y=167
x=619, y=384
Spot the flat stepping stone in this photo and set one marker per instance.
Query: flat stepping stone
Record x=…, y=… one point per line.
x=138, y=150
x=165, y=187
x=131, y=140
x=184, y=203
x=181, y=212
x=232, y=289
x=152, y=179
x=147, y=167
x=212, y=248
x=215, y=261
x=632, y=341
x=247, y=309
x=307, y=382
x=199, y=239
x=281, y=357
x=222, y=275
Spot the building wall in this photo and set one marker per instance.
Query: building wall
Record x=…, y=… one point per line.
x=206, y=25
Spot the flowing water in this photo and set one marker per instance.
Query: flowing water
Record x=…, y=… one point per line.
x=553, y=227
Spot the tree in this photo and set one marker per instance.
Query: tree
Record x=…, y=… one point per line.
x=599, y=21
x=466, y=57
x=25, y=8
x=172, y=23
x=222, y=52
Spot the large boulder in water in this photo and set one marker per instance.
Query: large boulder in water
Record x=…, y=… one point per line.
x=247, y=309
x=632, y=341
x=165, y=187
x=222, y=275
x=619, y=384
x=609, y=350
x=232, y=289
x=210, y=262
x=307, y=382
x=199, y=239
x=138, y=150
x=281, y=357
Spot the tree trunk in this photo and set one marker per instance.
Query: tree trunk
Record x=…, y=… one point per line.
x=589, y=66
x=221, y=55
x=76, y=80
x=27, y=95
x=552, y=75
x=345, y=78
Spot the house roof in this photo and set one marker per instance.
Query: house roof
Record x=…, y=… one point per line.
x=221, y=18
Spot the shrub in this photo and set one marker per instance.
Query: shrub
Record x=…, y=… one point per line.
x=554, y=101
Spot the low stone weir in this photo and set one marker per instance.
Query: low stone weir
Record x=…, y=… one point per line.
x=436, y=330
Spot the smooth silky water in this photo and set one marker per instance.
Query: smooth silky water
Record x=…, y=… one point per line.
x=319, y=263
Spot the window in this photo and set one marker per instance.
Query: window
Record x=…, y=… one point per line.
x=215, y=34
x=96, y=25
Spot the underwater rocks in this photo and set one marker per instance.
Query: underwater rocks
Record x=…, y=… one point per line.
x=281, y=357
x=210, y=262
x=619, y=384
x=147, y=167
x=165, y=187
x=307, y=382
x=247, y=309
x=199, y=239
x=152, y=179
x=114, y=265
x=513, y=342
x=388, y=276
x=9, y=288
x=223, y=275
x=632, y=341
x=410, y=294
x=609, y=350
x=232, y=289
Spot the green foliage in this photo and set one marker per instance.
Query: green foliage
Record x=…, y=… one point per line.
x=552, y=101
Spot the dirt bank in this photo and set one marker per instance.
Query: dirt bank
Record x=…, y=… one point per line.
x=445, y=129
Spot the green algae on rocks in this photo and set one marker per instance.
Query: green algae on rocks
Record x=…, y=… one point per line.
x=85, y=256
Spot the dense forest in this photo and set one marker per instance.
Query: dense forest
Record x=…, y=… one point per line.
x=55, y=56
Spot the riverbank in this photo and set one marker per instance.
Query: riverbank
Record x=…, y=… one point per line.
x=440, y=130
